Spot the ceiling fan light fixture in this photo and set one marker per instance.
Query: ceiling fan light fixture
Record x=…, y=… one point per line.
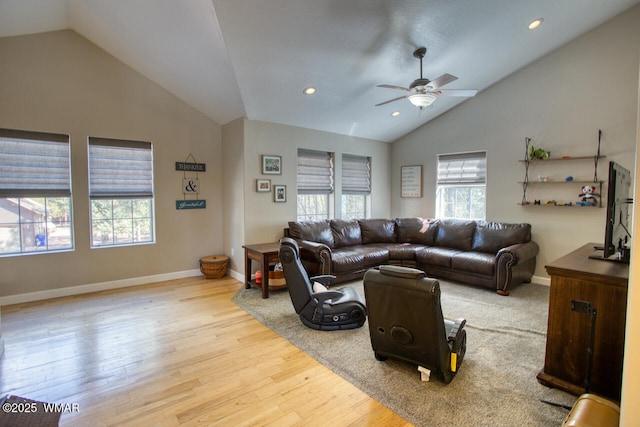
x=309, y=90
x=395, y=114
x=422, y=100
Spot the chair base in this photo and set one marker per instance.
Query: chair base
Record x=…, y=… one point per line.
x=331, y=326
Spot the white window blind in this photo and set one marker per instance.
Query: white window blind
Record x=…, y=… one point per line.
x=462, y=168
x=356, y=174
x=315, y=172
x=120, y=168
x=34, y=164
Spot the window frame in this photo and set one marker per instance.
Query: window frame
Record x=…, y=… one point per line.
x=315, y=176
x=356, y=183
x=109, y=193
x=35, y=172
x=461, y=171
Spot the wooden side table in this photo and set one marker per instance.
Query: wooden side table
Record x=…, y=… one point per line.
x=264, y=253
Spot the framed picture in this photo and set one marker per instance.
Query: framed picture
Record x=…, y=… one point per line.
x=263, y=185
x=411, y=179
x=271, y=165
x=279, y=193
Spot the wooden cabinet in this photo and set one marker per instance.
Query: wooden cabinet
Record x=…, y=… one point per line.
x=603, y=285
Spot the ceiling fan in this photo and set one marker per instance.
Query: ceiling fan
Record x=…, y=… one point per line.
x=423, y=92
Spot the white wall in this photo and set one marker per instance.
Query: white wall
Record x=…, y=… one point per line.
x=265, y=220
x=233, y=205
x=629, y=408
x=560, y=102
x=60, y=82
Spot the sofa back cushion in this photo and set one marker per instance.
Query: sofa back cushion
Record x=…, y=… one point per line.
x=417, y=230
x=345, y=233
x=490, y=237
x=456, y=234
x=377, y=230
x=314, y=231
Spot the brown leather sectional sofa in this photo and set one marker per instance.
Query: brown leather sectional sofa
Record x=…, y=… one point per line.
x=494, y=255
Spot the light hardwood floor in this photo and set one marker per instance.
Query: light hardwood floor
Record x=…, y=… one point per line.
x=172, y=353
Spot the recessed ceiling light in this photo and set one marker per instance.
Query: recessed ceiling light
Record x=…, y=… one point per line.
x=309, y=90
x=535, y=23
x=395, y=113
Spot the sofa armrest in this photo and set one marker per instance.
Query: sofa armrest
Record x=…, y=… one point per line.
x=515, y=263
x=519, y=252
x=318, y=253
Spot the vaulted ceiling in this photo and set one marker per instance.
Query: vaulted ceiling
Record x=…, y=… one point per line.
x=253, y=58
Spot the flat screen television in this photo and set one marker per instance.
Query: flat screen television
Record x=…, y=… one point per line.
x=617, y=236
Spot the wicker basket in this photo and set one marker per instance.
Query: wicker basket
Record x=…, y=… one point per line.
x=277, y=280
x=214, y=267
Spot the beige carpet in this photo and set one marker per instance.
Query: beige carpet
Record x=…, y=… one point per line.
x=496, y=384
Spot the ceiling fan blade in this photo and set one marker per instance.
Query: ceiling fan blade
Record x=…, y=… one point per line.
x=394, y=87
x=458, y=92
x=391, y=100
x=441, y=81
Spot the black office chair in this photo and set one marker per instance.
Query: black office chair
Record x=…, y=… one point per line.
x=406, y=323
x=326, y=310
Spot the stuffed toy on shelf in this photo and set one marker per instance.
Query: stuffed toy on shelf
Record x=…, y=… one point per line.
x=589, y=196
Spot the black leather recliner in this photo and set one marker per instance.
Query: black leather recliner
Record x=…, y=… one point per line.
x=329, y=310
x=406, y=323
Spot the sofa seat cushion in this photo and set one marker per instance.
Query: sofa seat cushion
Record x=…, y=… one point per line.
x=352, y=258
x=346, y=260
x=404, y=251
x=474, y=262
x=374, y=255
x=378, y=230
x=440, y=257
x=314, y=231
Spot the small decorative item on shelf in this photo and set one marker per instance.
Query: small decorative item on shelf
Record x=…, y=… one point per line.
x=568, y=179
x=543, y=178
x=538, y=153
x=589, y=196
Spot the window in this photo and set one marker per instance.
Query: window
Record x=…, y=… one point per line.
x=356, y=186
x=315, y=184
x=121, y=192
x=461, y=191
x=35, y=192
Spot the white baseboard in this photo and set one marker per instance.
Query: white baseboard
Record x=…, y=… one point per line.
x=136, y=281
x=239, y=277
x=541, y=280
x=94, y=287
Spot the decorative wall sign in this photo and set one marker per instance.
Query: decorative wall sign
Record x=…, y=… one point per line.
x=279, y=193
x=263, y=185
x=190, y=204
x=411, y=180
x=190, y=184
x=271, y=165
x=195, y=167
